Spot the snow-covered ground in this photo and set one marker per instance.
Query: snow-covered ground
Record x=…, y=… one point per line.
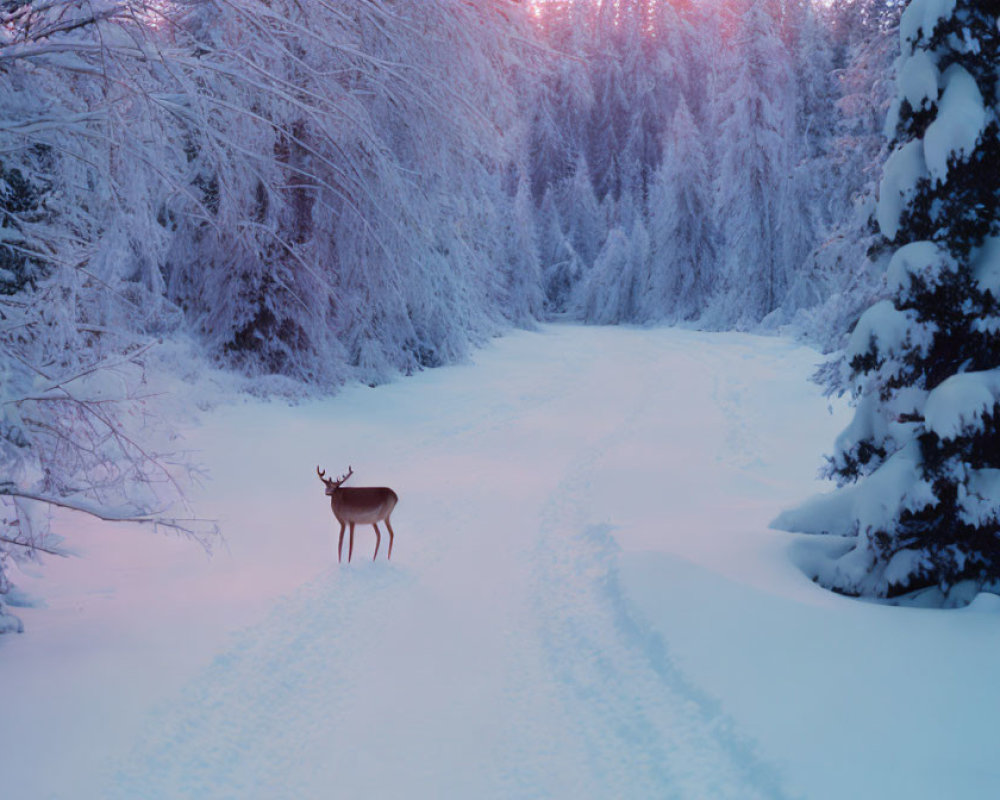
x=584, y=601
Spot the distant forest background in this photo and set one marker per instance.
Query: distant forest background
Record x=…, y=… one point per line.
x=346, y=190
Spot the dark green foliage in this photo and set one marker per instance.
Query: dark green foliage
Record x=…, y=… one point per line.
x=20, y=202
x=954, y=549
x=963, y=211
x=944, y=543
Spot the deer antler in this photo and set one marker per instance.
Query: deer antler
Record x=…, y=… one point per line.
x=331, y=481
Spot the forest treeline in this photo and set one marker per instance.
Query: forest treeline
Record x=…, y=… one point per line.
x=353, y=189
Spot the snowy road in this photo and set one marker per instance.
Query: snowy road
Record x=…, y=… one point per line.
x=492, y=657
x=581, y=534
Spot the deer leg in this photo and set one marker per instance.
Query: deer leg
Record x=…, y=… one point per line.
x=350, y=550
x=378, y=539
x=391, y=537
x=340, y=544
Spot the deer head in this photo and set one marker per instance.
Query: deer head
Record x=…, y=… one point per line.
x=331, y=484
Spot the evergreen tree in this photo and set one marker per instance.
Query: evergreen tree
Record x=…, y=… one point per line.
x=612, y=293
x=920, y=463
x=559, y=262
x=607, y=122
x=844, y=274
x=682, y=233
x=563, y=101
x=523, y=298
x=815, y=120
x=20, y=198
x=582, y=214
x=754, y=170
x=675, y=59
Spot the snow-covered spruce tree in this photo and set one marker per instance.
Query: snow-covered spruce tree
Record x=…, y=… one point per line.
x=676, y=60
x=559, y=262
x=755, y=110
x=847, y=266
x=683, y=258
x=920, y=463
x=614, y=288
x=607, y=125
x=521, y=296
x=562, y=99
x=581, y=215
x=809, y=214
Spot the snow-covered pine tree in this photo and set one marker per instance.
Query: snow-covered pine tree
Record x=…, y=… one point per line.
x=606, y=125
x=810, y=209
x=847, y=266
x=648, y=93
x=675, y=59
x=581, y=214
x=612, y=291
x=520, y=271
x=919, y=466
x=560, y=265
x=562, y=101
x=755, y=113
x=20, y=196
x=683, y=257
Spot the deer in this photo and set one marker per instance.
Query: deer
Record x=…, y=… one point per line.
x=362, y=504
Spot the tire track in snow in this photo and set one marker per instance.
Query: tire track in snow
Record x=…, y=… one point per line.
x=650, y=731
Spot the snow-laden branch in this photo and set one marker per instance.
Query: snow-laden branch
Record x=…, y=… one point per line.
x=320, y=189
x=199, y=528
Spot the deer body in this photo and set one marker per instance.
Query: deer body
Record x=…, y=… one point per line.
x=367, y=505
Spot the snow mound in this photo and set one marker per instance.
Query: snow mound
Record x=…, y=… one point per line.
x=960, y=122
x=978, y=497
x=883, y=325
x=920, y=18
x=960, y=402
x=903, y=170
x=986, y=266
x=918, y=80
x=869, y=506
x=984, y=603
x=923, y=260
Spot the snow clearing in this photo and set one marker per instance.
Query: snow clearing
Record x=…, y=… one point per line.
x=584, y=600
